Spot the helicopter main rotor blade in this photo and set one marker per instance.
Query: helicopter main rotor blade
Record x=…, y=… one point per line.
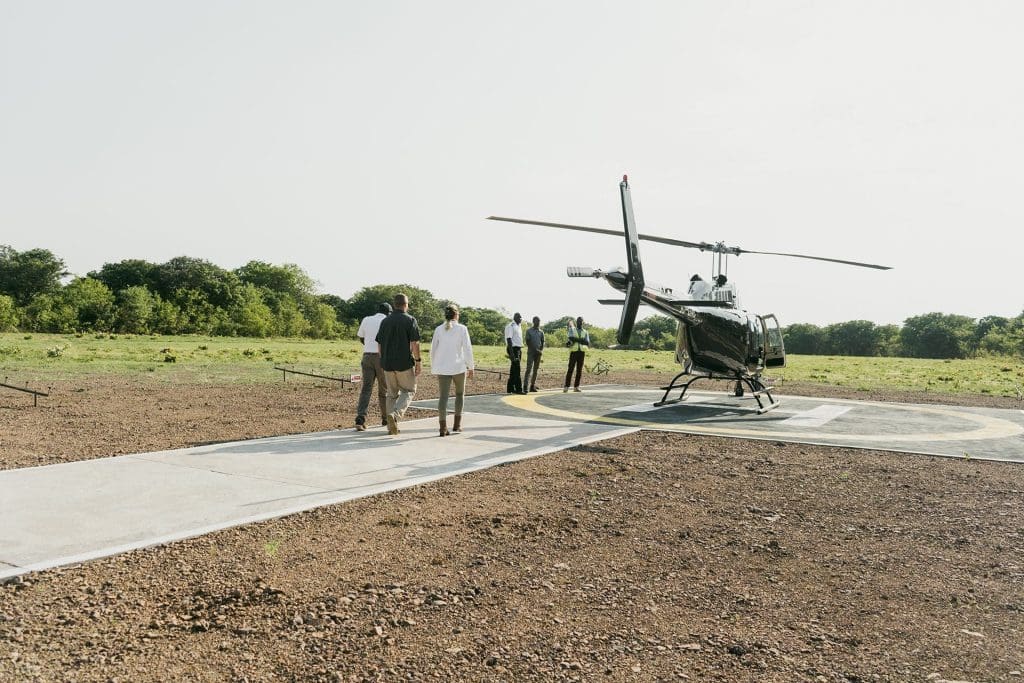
x=703, y=246
x=606, y=231
x=815, y=258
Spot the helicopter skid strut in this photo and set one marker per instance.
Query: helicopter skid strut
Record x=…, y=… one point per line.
x=757, y=388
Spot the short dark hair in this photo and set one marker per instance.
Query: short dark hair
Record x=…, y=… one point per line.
x=401, y=300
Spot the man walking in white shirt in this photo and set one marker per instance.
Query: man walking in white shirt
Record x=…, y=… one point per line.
x=370, y=366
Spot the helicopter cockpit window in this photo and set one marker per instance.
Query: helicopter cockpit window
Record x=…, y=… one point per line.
x=775, y=350
x=755, y=335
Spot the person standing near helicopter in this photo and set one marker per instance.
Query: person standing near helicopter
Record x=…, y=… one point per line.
x=534, y=352
x=579, y=342
x=514, y=351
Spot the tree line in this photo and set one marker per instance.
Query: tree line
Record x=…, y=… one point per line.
x=932, y=335
x=193, y=296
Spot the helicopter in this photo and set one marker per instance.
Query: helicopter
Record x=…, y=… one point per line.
x=715, y=338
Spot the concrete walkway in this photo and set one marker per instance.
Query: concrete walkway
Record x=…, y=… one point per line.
x=65, y=514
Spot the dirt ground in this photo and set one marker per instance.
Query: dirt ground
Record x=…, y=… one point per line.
x=648, y=557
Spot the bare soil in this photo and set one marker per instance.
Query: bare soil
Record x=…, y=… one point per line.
x=649, y=557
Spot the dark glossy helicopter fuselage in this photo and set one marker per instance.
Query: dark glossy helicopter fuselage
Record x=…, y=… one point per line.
x=718, y=339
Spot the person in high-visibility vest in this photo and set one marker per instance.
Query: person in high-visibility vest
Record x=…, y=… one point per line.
x=579, y=342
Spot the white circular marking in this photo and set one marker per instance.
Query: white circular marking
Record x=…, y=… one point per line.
x=988, y=427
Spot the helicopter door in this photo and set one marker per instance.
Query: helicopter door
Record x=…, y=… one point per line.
x=774, y=351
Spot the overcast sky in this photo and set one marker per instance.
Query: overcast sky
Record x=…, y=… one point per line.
x=366, y=142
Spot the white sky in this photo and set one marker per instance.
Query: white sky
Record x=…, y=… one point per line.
x=366, y=142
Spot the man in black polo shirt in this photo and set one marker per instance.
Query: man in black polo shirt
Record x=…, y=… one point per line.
x=399, y=339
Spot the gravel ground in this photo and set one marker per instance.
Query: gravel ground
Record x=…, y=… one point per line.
x=649, y=557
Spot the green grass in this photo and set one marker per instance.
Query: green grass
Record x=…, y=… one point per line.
x=40, y=358
x=993, y=376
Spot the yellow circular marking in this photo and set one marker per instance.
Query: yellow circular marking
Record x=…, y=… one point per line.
x=989, y=427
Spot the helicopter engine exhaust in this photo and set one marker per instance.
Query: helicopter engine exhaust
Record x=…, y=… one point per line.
x=635, y=272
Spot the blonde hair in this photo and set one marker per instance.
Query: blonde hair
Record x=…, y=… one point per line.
x=450, y=312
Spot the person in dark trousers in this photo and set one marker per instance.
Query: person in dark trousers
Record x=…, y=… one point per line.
x=579, y=342
x=514, y=351
x=372, y=372
x=399, y=339
x=534, y=351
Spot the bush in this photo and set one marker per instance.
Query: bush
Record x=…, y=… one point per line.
x=8, y=314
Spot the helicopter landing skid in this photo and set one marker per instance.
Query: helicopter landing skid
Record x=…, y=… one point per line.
x=758, y=389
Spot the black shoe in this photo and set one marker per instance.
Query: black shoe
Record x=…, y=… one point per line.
x=533, y=389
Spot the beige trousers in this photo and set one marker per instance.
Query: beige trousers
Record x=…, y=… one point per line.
x=401, y=389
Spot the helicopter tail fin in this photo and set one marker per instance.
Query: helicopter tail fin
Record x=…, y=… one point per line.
x=635, y=272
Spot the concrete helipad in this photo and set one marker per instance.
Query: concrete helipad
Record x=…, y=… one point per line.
x=64, y=514
x=953, y=431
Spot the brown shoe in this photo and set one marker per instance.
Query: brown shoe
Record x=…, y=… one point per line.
x=392, y=425
x=457, y=426
x=443, y=428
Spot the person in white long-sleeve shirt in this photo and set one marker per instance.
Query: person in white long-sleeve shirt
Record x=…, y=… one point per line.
x=451, y=359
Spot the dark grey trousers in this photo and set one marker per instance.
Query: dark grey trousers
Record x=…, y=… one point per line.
x=373, y=373
x=532, y=366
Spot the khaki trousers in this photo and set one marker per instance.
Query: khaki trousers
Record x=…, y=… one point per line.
x=401, y=389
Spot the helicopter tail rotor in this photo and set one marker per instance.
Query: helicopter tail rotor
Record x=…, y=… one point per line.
x=582, y=271
x=635, y=272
